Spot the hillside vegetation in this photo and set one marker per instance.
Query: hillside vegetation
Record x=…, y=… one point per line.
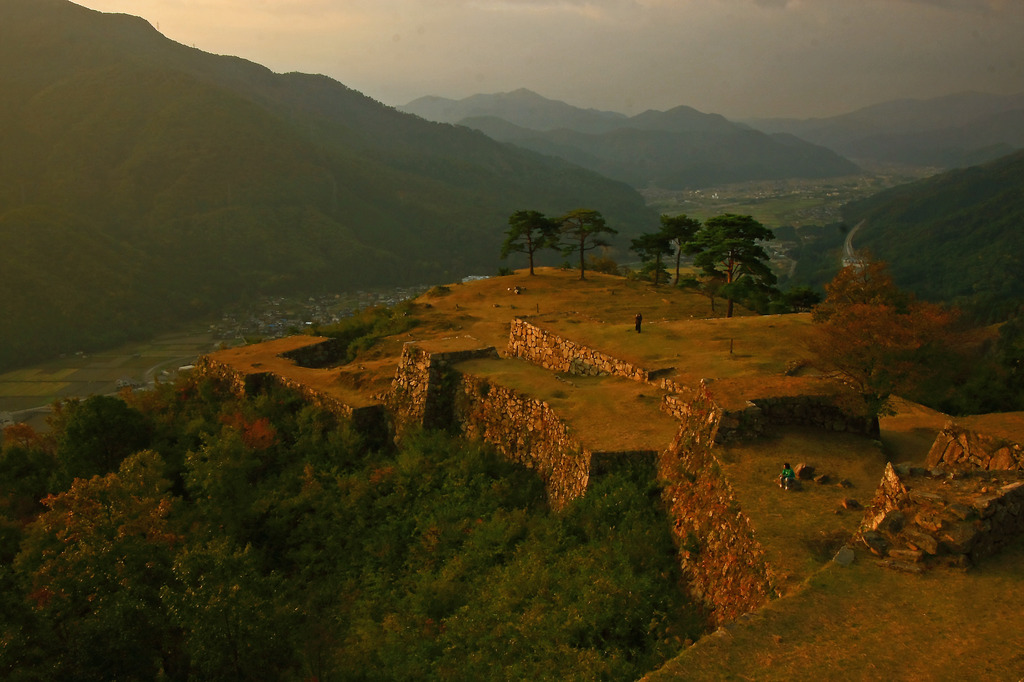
x=143, y=182
x=954, y=237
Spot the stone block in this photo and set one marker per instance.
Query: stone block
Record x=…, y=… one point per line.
x=929, y=520
x=960, y=538
x=875, y=542
x=922, y=541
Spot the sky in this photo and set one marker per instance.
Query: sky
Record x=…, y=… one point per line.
x=738, y=58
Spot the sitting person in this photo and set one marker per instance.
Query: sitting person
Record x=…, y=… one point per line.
x=787, y=479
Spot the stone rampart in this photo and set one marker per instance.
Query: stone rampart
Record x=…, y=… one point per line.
x=957, y=448
x=423, y=389
x=527, y=431
x=557, y=354
x=920, y=517
x=371, y=421
x=724, y=564
x=817, y=411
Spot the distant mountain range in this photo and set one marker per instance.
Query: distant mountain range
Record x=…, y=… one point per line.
x=675, y=149
x=957, y=237
x=949, y=132
x=143, y=182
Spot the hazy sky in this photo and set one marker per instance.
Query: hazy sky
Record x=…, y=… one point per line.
x=740, y=58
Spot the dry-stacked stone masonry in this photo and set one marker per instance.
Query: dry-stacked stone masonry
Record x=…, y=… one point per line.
x=424, y=385
x=552, y=352
x=920, y=517
x=371, y=420
x=525, y=430
x=724, y=563
x=958, y=448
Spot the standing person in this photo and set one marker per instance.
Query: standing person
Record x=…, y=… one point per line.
x=639, y=319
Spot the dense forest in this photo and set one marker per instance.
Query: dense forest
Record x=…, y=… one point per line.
x=188, y=533
x=955, y=237
x=143, y=183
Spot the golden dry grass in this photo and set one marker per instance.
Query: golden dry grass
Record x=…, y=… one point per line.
x=680, y=331
x=865, y=622
x=798, y=528
x=605, y=414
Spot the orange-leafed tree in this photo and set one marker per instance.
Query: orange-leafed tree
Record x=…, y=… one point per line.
x=94, y=563
x=879, y=339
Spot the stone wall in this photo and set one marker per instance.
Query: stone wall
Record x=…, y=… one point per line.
x=423, y=389
x=370, y=421
x=920, y=517
x=557, y=354
x=958, y=448
x=527, y=431
x=818, y=411
x=724, y=564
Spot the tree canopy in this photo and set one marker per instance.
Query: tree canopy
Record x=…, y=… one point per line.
x=680, y=230
x=729, y=251
x=583, y=230
x=529, y=232
x=879, y=339
x=651, y=247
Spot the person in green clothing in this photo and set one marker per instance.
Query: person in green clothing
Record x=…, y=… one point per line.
x=787, y=479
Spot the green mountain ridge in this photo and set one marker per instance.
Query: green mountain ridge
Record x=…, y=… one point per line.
x=954, y=237
x=144, y=183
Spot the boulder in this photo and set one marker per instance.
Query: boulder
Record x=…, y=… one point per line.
x=929, y=520
x=960, y=538
x=876, y=542
x=892, y=522
x=906, y=555
x=845, y=556
x=804, y=472
x=922, y=541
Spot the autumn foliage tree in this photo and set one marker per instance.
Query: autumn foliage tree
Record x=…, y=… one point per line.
x=877, y=338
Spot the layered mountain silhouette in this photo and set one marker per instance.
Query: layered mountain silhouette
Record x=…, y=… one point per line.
x=949, y=132
x=953, y=237
x=143, y=182
x=674, y=149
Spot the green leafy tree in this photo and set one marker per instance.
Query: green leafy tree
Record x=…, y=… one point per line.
x=234, y=624
x=801, y=299
x=529, y=232
x=583, y=230
x=96, y=434
x=729, y=250
x=651, y=247
x=680, y=231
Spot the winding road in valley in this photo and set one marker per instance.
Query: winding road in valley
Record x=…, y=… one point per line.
x=849, y=255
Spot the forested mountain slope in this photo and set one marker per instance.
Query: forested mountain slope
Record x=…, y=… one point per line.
x=954, y=237
x=673, y=149
x=143, y=182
